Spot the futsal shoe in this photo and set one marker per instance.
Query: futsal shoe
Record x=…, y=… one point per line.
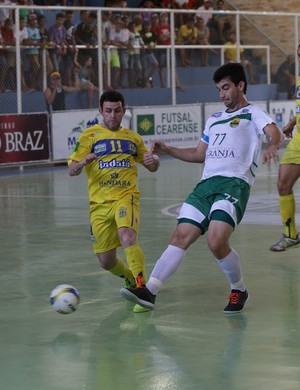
x=141, y=296
x=237, y=300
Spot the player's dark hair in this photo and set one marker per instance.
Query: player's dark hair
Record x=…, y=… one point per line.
x=112, y=96
x=234, y=71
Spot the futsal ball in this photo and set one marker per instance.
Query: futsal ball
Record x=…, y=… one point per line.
x=64, y=299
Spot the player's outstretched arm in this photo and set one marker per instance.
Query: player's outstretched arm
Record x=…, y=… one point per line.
x=75, y=167
x=289, y=127
x=275, y=135
x=151, y=161
x=196, y=154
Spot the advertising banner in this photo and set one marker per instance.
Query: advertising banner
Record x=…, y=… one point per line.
x=24, y=138
x=68, y=126
x=282, y=111
x=177, y=126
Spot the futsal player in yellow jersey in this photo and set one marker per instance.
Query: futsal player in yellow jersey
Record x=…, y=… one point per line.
x=289, y=172
x=110, y=154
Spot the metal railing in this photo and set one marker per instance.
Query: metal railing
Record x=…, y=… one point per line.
x=171, y=50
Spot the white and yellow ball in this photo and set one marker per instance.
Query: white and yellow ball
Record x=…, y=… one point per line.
x=64, y=299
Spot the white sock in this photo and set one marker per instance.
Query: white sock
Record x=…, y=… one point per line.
x=231, y=266
x=165, y=266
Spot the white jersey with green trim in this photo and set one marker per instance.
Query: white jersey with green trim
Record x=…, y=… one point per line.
x=234, y=142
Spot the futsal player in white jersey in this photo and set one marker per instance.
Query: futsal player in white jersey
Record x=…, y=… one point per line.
x=230, y=149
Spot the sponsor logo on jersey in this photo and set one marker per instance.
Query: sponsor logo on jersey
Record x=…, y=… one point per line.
x=217, y=114
x=245, y=110
x=235, y=122
x=132, y=149
x=219, y=153
x=100, y=148
x=114, y=182
x=114, y=163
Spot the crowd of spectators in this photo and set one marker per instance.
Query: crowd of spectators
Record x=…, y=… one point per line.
x=134, y=44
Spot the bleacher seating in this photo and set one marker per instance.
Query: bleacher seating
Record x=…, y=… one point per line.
x=35, y=101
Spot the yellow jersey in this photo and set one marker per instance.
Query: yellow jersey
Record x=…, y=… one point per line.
x=114, y=173
x=298, y=105
x=231, y=52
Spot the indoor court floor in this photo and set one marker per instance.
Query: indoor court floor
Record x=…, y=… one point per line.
x=186, y=343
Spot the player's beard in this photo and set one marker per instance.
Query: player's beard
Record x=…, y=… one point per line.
x=112, y=125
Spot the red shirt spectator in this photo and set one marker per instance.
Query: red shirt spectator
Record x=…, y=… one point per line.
x=163, y=30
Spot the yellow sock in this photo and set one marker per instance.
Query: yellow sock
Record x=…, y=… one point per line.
x=121, y=270
x=287, y=210
x=136, y=262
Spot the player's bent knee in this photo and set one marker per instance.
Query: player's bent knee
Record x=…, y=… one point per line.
x=106, y=262
x=184, y=236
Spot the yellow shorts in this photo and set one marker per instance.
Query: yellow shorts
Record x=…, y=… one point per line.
x=114, y=60
x=291, y=154
x=108, y=217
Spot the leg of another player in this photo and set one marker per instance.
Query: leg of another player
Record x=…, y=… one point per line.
x=218, y=236
x=228, y=259
x=287, y=176
x=110, y=262
x=184, y=235
x=134, y=254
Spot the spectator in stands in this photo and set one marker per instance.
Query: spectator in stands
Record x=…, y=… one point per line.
x=187, y=35
x=4, y=67
x=84, y=71
x=135, y=44
x=149, y=60
x=106, y=27
x=137, y=19
x=203, y=35
x=163, y=32
x=146, y=15
x=46, y=41
x=285, y=77
x=206, y=16
x=83, y=15
x=55, y=93
x=24, y=12
x=76, y=3
x=24, y=41
x=181, y=18
x=119, y=56
x=57, y=35
x=5, y=13
x=86, y=34
x=223, y=23
x=71, y=47
x=154, y=22
x=57, y=2
x=9, y=52
x=32, y=54
x=116, y=3
x=231, y=56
